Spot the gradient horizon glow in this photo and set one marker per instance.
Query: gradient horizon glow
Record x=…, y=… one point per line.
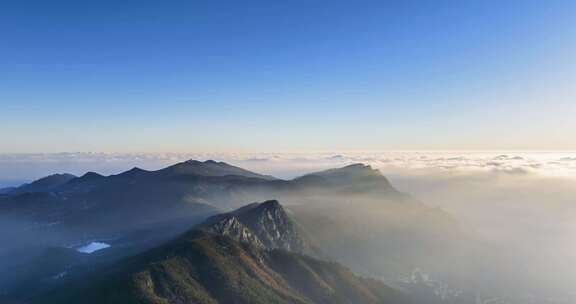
x=269, y=76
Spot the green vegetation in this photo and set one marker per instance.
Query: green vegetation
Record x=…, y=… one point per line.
x=206, y=268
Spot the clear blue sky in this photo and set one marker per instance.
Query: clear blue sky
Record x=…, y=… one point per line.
x=122, y=76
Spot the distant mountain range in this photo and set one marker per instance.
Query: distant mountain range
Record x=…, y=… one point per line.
x=191, y=189
x=42, y=185
x=143, y=218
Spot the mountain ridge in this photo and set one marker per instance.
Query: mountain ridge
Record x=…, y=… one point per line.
x=43, y=184
x=210, y=168
x=206, y=267
x=266, y=225
x=337, y=208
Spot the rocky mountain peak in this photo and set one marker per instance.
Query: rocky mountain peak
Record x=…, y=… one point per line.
x=91, y=175
x=270, y=206
x=232, y=227
x=353, y=169
x=210, y=168
x=133, y=172
x=359, y=167
x=348, y=174
x=264, y=224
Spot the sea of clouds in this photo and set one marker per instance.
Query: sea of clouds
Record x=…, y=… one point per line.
x=523, y=203
x=16, y=168
x=487, y=189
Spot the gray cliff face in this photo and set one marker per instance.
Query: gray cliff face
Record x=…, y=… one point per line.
x=234, y=229
x=265, y=225
x=274, y=228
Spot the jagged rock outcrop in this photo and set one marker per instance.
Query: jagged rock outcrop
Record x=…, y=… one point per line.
x=265, y=225
x=233, y=228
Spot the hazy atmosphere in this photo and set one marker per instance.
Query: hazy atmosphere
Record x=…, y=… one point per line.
x=507, y=201
x=302, y=152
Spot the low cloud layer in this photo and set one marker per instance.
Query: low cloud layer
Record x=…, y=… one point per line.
x=24, y=167
x=523, y=204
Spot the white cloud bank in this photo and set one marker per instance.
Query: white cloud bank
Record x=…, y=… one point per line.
x=20, y=167
x=522, y=202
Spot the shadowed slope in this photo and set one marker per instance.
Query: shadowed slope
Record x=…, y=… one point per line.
x=44, y=184
x=207, y=268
